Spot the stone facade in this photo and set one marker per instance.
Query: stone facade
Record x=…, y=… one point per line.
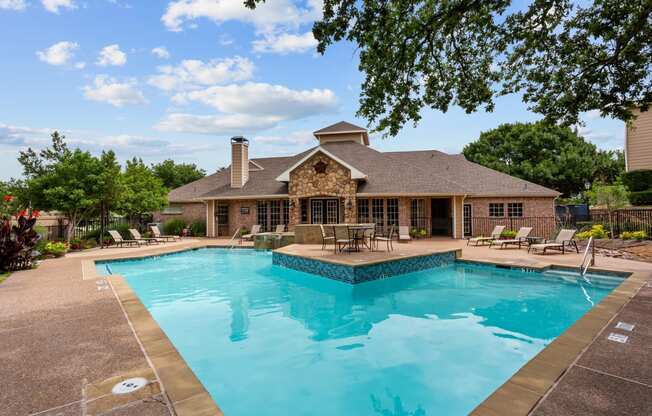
x=321, y=176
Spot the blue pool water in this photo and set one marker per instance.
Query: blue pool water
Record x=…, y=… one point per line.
x=266, y=340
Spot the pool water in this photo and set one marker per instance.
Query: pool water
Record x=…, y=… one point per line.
x=266, y=340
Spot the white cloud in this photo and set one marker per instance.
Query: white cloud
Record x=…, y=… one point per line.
x=285, y=43
x=58, y=54
x=13, y=4
x=112, y=55
x=54, y=5
x=265, y=99
x=192, y=73
x=265, y=18
x=216, y=124
x=602, y=138
x=161, y=52
x=80, y=65
x=109, y=90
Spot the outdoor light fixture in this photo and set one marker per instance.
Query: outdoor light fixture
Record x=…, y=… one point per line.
x=349, y=204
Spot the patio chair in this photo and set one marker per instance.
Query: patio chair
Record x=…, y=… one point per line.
x=280, y=228
x=520, y=238
x=495, y=235
x=119, y=241
x=325, y=238
x=249, y=237
x=389, y=239
x=404, y=233
x=563, y=240
x=342, y=241
x=157, y=234
x=136, y=236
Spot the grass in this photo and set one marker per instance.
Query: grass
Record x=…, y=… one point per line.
x=4, y=276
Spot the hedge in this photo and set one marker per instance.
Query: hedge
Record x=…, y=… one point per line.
x=641, y=198
x=638, y=180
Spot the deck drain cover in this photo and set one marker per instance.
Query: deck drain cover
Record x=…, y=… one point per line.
x=618, y=338
x=625, y=326
x=129, y=385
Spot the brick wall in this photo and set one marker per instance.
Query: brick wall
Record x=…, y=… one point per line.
x=538, y=213
x=238, y=219
x=190, y=211
x=532, y=207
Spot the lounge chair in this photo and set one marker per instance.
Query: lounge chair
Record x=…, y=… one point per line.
x=563, y=240
x=404, y=233
x=157, y=234
x=249, y=237
x=520, y=238
x=280, y=228
x=389, y=239
x=119, y=241
x=325, y=238
x=495, y=235
x=136, y=236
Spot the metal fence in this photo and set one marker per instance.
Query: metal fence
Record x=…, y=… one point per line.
x=628, y=219
x=86, y=227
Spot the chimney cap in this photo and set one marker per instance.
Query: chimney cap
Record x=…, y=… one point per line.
x=239, y=139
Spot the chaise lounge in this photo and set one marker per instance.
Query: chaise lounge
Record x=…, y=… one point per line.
x=135, y=234
x=255, y=229
x=563, y=240
x=157, y=234
x=119, y=241
x=495, y=235
x=519, y=239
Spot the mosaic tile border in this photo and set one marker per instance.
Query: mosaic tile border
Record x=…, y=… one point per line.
x=354, y=274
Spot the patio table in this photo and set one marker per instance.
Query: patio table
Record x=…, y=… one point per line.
x=534, y=240
x=358, y=232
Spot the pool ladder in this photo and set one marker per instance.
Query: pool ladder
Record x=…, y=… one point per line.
x=232, y=240
x=590, y=248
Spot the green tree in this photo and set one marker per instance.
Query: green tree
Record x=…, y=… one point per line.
x=143, y=191
x=175, y=175
x=610, y=166
x=552, y=156
x=564, y=57
x=610, y=197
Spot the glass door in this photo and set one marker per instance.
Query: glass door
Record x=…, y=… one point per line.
x=324, y=211
x=468, y=220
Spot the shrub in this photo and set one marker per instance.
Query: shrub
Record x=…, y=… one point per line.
x=17, y=241
x=198, y=228
x=56, y=248
x=94, y=235
x=638, y=180
x=508, y=234
x=244, y=231
x=641, y=197
x=634, y=235
x=423, y=232
x=174, y=226
x=597, y=231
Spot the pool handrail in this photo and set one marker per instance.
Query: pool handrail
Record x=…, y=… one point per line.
x=590, y=247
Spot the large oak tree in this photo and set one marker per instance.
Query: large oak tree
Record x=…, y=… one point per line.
x=564, y=57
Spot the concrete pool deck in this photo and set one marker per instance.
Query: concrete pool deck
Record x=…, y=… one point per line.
x=66, y=338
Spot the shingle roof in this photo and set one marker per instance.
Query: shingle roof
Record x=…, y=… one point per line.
x=342, y=126
x=388, y=173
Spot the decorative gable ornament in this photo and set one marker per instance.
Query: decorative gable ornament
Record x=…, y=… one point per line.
x=320, y=167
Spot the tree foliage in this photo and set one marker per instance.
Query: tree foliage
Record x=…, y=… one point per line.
x=143, y=193
x=175, y=175
x=565, y=57
x=552, y=156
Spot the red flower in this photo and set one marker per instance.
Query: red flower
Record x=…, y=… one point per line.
x=8, y=198
x=36, y=213
x=21, y=214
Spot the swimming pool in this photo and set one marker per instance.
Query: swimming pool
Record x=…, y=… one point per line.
x=267, y=340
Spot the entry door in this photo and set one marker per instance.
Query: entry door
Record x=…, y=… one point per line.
x=324, y=211
x=440, y=216
x=468, y=220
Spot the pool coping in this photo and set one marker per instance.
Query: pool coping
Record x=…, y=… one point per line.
x=517, y=396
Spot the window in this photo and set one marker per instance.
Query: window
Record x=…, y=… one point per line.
x=317, y=215
x=496, y=210
x=332, y=206
x=392, y=212
x=275, y=213
x=286, y=213
x=304, y=211
x=363, y=210
x=515, y=209
x=378, y=212
x=418, y=213
x=261, y=214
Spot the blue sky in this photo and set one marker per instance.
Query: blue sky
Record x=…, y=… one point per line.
x=176, y=79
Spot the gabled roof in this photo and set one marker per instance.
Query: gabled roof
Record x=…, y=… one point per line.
x=343, y=127
x=426, y=172
x=355, y=173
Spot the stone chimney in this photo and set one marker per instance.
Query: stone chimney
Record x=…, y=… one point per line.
x=239, y=161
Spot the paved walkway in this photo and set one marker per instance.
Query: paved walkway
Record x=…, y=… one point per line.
x=65, y=340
